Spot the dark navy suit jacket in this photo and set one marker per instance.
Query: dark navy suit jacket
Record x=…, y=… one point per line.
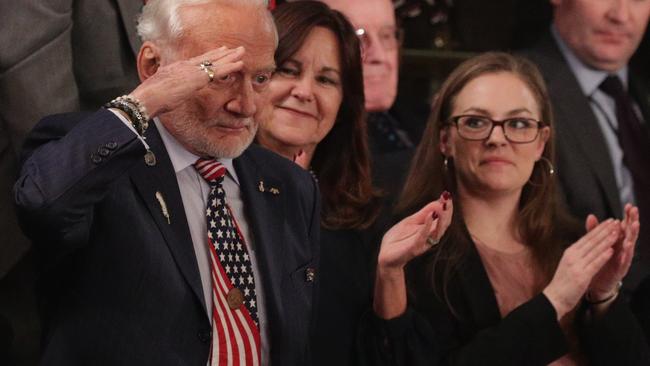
x=121, y=284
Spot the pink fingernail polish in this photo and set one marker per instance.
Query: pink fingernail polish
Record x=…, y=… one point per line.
x=444, y=206
x=446, y=195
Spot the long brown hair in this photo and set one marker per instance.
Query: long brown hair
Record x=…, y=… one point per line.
x=341, y=161
x=542, y=223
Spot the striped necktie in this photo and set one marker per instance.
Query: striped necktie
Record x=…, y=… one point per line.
x=633, y=139
x=235, y=332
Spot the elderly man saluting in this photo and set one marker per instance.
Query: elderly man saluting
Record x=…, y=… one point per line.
x=165, y=238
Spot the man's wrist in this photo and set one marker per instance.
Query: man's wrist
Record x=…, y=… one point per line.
x=134, y=110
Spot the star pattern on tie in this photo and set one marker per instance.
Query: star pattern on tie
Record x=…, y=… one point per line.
x=227, y=240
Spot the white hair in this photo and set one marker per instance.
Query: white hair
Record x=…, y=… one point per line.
x=160, y=19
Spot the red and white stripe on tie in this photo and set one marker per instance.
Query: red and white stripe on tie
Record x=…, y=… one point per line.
x=235, y=333
x=210, y=170
x=235, y=336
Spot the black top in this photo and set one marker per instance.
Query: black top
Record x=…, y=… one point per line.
x=345, y=291
x=430, y=334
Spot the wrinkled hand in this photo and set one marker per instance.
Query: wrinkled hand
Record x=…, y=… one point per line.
x=173, y=84
x=604, y=283
x=408, y=238
x=579, y=264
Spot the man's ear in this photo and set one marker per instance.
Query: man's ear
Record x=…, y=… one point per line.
x=148, y=60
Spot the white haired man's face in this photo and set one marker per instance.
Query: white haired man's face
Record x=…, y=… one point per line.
x=220, y=120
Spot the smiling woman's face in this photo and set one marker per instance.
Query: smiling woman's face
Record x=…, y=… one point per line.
x=494, y=164
x=305, y=95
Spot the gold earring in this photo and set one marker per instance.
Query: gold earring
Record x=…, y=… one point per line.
x=551, y=168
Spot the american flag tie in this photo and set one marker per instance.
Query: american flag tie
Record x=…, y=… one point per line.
x=235, y=332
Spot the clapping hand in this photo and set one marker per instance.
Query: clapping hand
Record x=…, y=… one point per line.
x=415, y=234
x=579, y=264
x=406, y=240
x=605, y=282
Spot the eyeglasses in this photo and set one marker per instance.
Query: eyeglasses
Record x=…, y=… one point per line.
x=389, y=37
x=518, y=130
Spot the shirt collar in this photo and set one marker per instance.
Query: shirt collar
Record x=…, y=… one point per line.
x=182, y=158
x=588, y=77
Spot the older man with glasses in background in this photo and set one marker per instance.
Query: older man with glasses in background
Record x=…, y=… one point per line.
x=392, y=135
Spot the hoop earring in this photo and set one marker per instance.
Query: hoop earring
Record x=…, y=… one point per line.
x=551, y=170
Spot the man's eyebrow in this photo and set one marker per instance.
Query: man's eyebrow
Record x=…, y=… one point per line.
x=265, y=69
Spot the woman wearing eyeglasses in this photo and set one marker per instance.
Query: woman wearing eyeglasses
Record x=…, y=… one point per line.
x=513, y=281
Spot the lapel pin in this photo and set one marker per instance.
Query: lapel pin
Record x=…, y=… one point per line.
x=310, y=274
x=150, y=158
x=163, y=206
x=260, y=186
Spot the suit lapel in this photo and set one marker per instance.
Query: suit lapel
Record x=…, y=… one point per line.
x=156, y=183
x=579, y=122
x=265, y=212
x=129, y=11
x=642, y=97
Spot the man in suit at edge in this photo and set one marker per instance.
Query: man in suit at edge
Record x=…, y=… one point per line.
x=590, y=42
x=88, y=48
x=118, y=210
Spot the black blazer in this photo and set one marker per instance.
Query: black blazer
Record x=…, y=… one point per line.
x=122, y=284
x=345, y=292
x=430, y=334
x=584, y=166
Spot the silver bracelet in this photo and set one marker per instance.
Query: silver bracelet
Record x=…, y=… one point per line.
x=134, y=109
x=588, y=300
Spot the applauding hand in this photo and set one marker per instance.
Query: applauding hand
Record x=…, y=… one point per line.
x=406, y=240
x=604, y=285
x=579, y=264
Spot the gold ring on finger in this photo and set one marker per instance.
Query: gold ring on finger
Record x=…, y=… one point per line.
x=208, y=70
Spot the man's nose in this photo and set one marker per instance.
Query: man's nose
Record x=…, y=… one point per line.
x=619, y=10
x=373, y=51
x=243, y=104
